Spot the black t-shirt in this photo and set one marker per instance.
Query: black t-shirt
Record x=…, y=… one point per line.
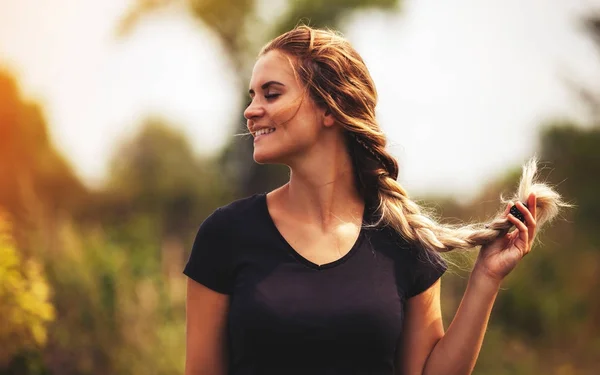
x=290, y=316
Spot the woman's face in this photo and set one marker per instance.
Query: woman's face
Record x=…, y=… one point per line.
x=283, y=119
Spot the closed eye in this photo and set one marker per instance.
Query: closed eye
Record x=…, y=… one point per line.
x=268, y=97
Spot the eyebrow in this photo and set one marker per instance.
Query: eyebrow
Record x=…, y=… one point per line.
x=266, y=85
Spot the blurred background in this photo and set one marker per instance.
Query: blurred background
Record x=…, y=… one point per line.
x=118, y=123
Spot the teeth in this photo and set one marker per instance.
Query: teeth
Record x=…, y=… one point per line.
x=264, y=131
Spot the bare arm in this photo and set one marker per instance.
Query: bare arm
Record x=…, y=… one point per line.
x=428, y=350
x=206, y=321
x=423, y=329
x=457, y=351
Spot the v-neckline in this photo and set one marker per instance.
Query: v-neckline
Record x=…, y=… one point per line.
x=300, y=257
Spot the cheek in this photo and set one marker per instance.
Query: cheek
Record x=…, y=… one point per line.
x=301, y=120
x=294, y=111
x=282, y=114
x=309, y=124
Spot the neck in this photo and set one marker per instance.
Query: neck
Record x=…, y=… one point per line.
x=322, y=188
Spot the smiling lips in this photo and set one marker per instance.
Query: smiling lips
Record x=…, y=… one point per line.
x=262, y=132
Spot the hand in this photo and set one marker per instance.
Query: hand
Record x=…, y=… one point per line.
x=497, y=258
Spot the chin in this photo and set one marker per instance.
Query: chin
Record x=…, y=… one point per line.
x=262, y=156
x=265, y=158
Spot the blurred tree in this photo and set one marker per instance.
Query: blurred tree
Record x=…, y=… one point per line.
x=41, y=183
x=38, y=191
x=591, y=95
x=157, y=174
x=157, y=193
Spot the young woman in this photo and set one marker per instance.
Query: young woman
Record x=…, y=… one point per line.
x=337, y=271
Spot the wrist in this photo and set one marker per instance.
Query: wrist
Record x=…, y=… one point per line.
x=483, y=277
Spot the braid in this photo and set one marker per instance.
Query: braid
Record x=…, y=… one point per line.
x=389, y=164
x=408, y=219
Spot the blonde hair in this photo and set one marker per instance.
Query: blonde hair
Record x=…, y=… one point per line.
x=337, y=78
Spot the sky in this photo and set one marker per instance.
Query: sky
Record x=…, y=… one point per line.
x=464, y=85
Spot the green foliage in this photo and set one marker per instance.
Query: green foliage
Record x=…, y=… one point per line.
x=25, y=305
x=573, y=150
x=120, y=318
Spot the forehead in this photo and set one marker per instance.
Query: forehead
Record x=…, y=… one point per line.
x=272, y=66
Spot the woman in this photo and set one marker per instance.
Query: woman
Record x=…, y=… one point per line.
x=337, y=271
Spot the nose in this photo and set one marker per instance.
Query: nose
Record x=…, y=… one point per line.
x=254, y=111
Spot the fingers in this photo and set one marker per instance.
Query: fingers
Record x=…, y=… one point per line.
x=529, y=215
x=533, y=227
x=523, y=233
x=526, y=213
x=532, y=203
x=526, y=230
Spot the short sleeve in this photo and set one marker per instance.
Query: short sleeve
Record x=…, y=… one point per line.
x=427, y=267
x=210, y=262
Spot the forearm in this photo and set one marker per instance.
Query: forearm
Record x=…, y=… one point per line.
x=457, y=352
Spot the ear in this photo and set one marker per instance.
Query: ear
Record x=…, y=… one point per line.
x=328, y=119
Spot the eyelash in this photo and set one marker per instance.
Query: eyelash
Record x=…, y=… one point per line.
x=270, y=96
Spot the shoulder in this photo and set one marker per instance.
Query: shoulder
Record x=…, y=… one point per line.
x=236, y=212
x=212, y=260
x=244, y=205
